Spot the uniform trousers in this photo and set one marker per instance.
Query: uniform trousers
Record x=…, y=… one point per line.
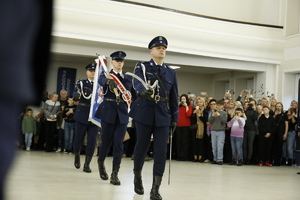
x=160, y=137
x=80, y=131
x=112, y=134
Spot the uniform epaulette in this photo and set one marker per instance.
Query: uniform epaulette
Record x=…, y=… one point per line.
x=168, y=66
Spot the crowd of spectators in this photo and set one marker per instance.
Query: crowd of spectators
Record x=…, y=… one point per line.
x=238, y=132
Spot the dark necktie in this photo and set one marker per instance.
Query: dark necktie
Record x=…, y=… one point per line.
x=119, y=77
x=158, y=68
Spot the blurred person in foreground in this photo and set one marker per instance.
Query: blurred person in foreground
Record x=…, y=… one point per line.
x=25, y=38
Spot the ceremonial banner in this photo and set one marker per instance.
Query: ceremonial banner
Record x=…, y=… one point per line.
x=66, y=80
x=97, y=95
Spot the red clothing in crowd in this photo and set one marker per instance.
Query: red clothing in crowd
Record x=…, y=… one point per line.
x=184, y=117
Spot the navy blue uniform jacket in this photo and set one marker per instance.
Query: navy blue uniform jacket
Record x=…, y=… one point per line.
x=83, y=111
x=146, y=111
x=109, y=110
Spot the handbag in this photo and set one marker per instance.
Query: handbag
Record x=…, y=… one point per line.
x=200, y=129
x=43, y=119
x=193, y=126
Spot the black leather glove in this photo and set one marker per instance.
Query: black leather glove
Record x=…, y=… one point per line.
x=112, y=84
x=173, y=127
x=146, y=94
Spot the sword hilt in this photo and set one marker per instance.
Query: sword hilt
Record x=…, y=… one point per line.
x=152, y=95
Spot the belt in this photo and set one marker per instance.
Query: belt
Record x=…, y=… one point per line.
x=116, y=100
x=159, y=99
x=84, y=104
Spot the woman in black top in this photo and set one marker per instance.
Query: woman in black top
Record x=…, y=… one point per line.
x=249, y=133
x=280, y=135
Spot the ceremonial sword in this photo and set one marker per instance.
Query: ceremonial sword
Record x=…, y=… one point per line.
x=146, y=85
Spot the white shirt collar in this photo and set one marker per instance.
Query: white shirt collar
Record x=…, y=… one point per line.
x=121, y=74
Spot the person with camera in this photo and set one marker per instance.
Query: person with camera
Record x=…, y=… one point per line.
x=217, y=120
x=237, y=124
x=249, y=133
x=198, y=128
x=68, y=114
x=182, y=132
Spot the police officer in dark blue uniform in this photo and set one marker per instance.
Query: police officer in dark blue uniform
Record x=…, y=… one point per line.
x=83, y=93
x=154, y=113
x=113, y=112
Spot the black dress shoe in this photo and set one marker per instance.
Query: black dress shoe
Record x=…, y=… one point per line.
x=239, y=163
x=220, y=163
x=214, y=162
x=233, y=162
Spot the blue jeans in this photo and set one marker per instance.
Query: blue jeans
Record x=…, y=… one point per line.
x=290, y=144
x=217, y=141
x=237, y=147
x=69, y=135
x=28, y=139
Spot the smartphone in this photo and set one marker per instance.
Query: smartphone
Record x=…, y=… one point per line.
x=197, y=107
x=181, y=102
x=216, y=110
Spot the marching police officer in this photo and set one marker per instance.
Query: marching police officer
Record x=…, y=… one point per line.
x=154, y=111
x=113, y=112
x=83, y=93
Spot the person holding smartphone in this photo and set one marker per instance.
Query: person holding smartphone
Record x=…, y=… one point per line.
x=182, y=132
x=198, y=120
x=218, y=121
x=237, y=124
x=68, y=114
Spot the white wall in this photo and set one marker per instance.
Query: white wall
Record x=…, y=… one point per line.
x=257, y=11
x=99, y=23
x=194, y=83
x=86, y=27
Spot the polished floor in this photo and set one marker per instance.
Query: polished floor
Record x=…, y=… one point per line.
x=38, y=175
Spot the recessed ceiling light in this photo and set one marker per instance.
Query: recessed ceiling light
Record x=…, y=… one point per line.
x=175, y=67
